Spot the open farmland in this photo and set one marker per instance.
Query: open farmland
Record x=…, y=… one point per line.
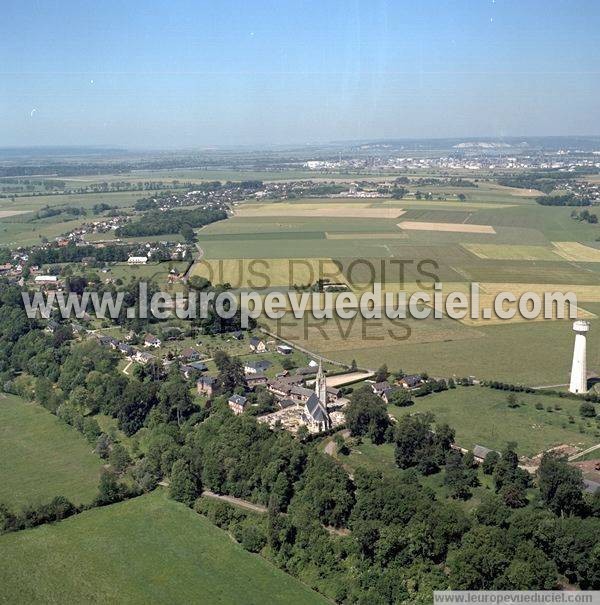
x=325, y=209
x=512, y=352
x=451, y=227
x=42, y=457
x=146, y=550
x=516, y=252
x=524, y=247
x=264, y=272
x=574, y=251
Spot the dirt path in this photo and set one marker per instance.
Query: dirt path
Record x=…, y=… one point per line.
x=257, y=508
x=581, y=454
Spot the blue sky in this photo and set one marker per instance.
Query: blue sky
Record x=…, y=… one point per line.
x=190, y=74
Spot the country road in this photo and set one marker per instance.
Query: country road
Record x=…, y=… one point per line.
x=581, y=454
x=257, y=508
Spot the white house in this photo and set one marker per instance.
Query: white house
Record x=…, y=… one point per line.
x=152, y=341
x=46, y=279
x=137, y=260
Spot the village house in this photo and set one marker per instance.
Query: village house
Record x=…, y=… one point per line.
x=284, y=404
x=237, y=404
x=410, y=381
x=257, y=367
x=284, y=350
x=126, y=349
x=206, y=385
x=333, y=394
x=143, y=357
x=104, y=340
x=151, y=341
x=379, y=388
x=190, y=354
x=257, y=345
x=254, y=380
x=387, y=395
x=300, y=394
x=190, y=369
x=282, y=387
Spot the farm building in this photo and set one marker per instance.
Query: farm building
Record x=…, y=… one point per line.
x=480, y=452
x=137, y=260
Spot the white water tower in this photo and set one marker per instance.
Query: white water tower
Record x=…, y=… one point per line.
x=579, y=367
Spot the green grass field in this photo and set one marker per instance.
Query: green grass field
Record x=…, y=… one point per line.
x=381, y=458
x=147, y=550
x=42, y=457
x=481, y=416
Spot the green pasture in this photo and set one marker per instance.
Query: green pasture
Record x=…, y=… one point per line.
x=146, y=550
x=42, y=457
x=481, y=416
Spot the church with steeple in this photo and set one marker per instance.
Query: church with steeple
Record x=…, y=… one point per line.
x=315, y=409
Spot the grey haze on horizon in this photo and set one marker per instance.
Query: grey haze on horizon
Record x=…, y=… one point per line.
x=189, y=74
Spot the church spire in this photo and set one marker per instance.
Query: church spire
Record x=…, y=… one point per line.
x=321, y=385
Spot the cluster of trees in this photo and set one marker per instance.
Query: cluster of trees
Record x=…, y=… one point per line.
x=585, y=216
x=565, y=199
x=74, y=254
x=171, y=221
x=545, y=182
x=48, y=212
x=57, y=509
x=505, y=386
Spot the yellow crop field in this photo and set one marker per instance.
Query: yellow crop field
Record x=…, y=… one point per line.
x=574, y=251
x=267, y=272
x=450, y=227
x=377, y=236
x=511, y=252
x=321, y=210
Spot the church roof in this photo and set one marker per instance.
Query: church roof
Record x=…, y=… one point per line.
x=316, y=410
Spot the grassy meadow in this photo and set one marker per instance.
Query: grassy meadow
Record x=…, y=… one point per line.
x=42, y=457
x=481, y=416
x=146, y=550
